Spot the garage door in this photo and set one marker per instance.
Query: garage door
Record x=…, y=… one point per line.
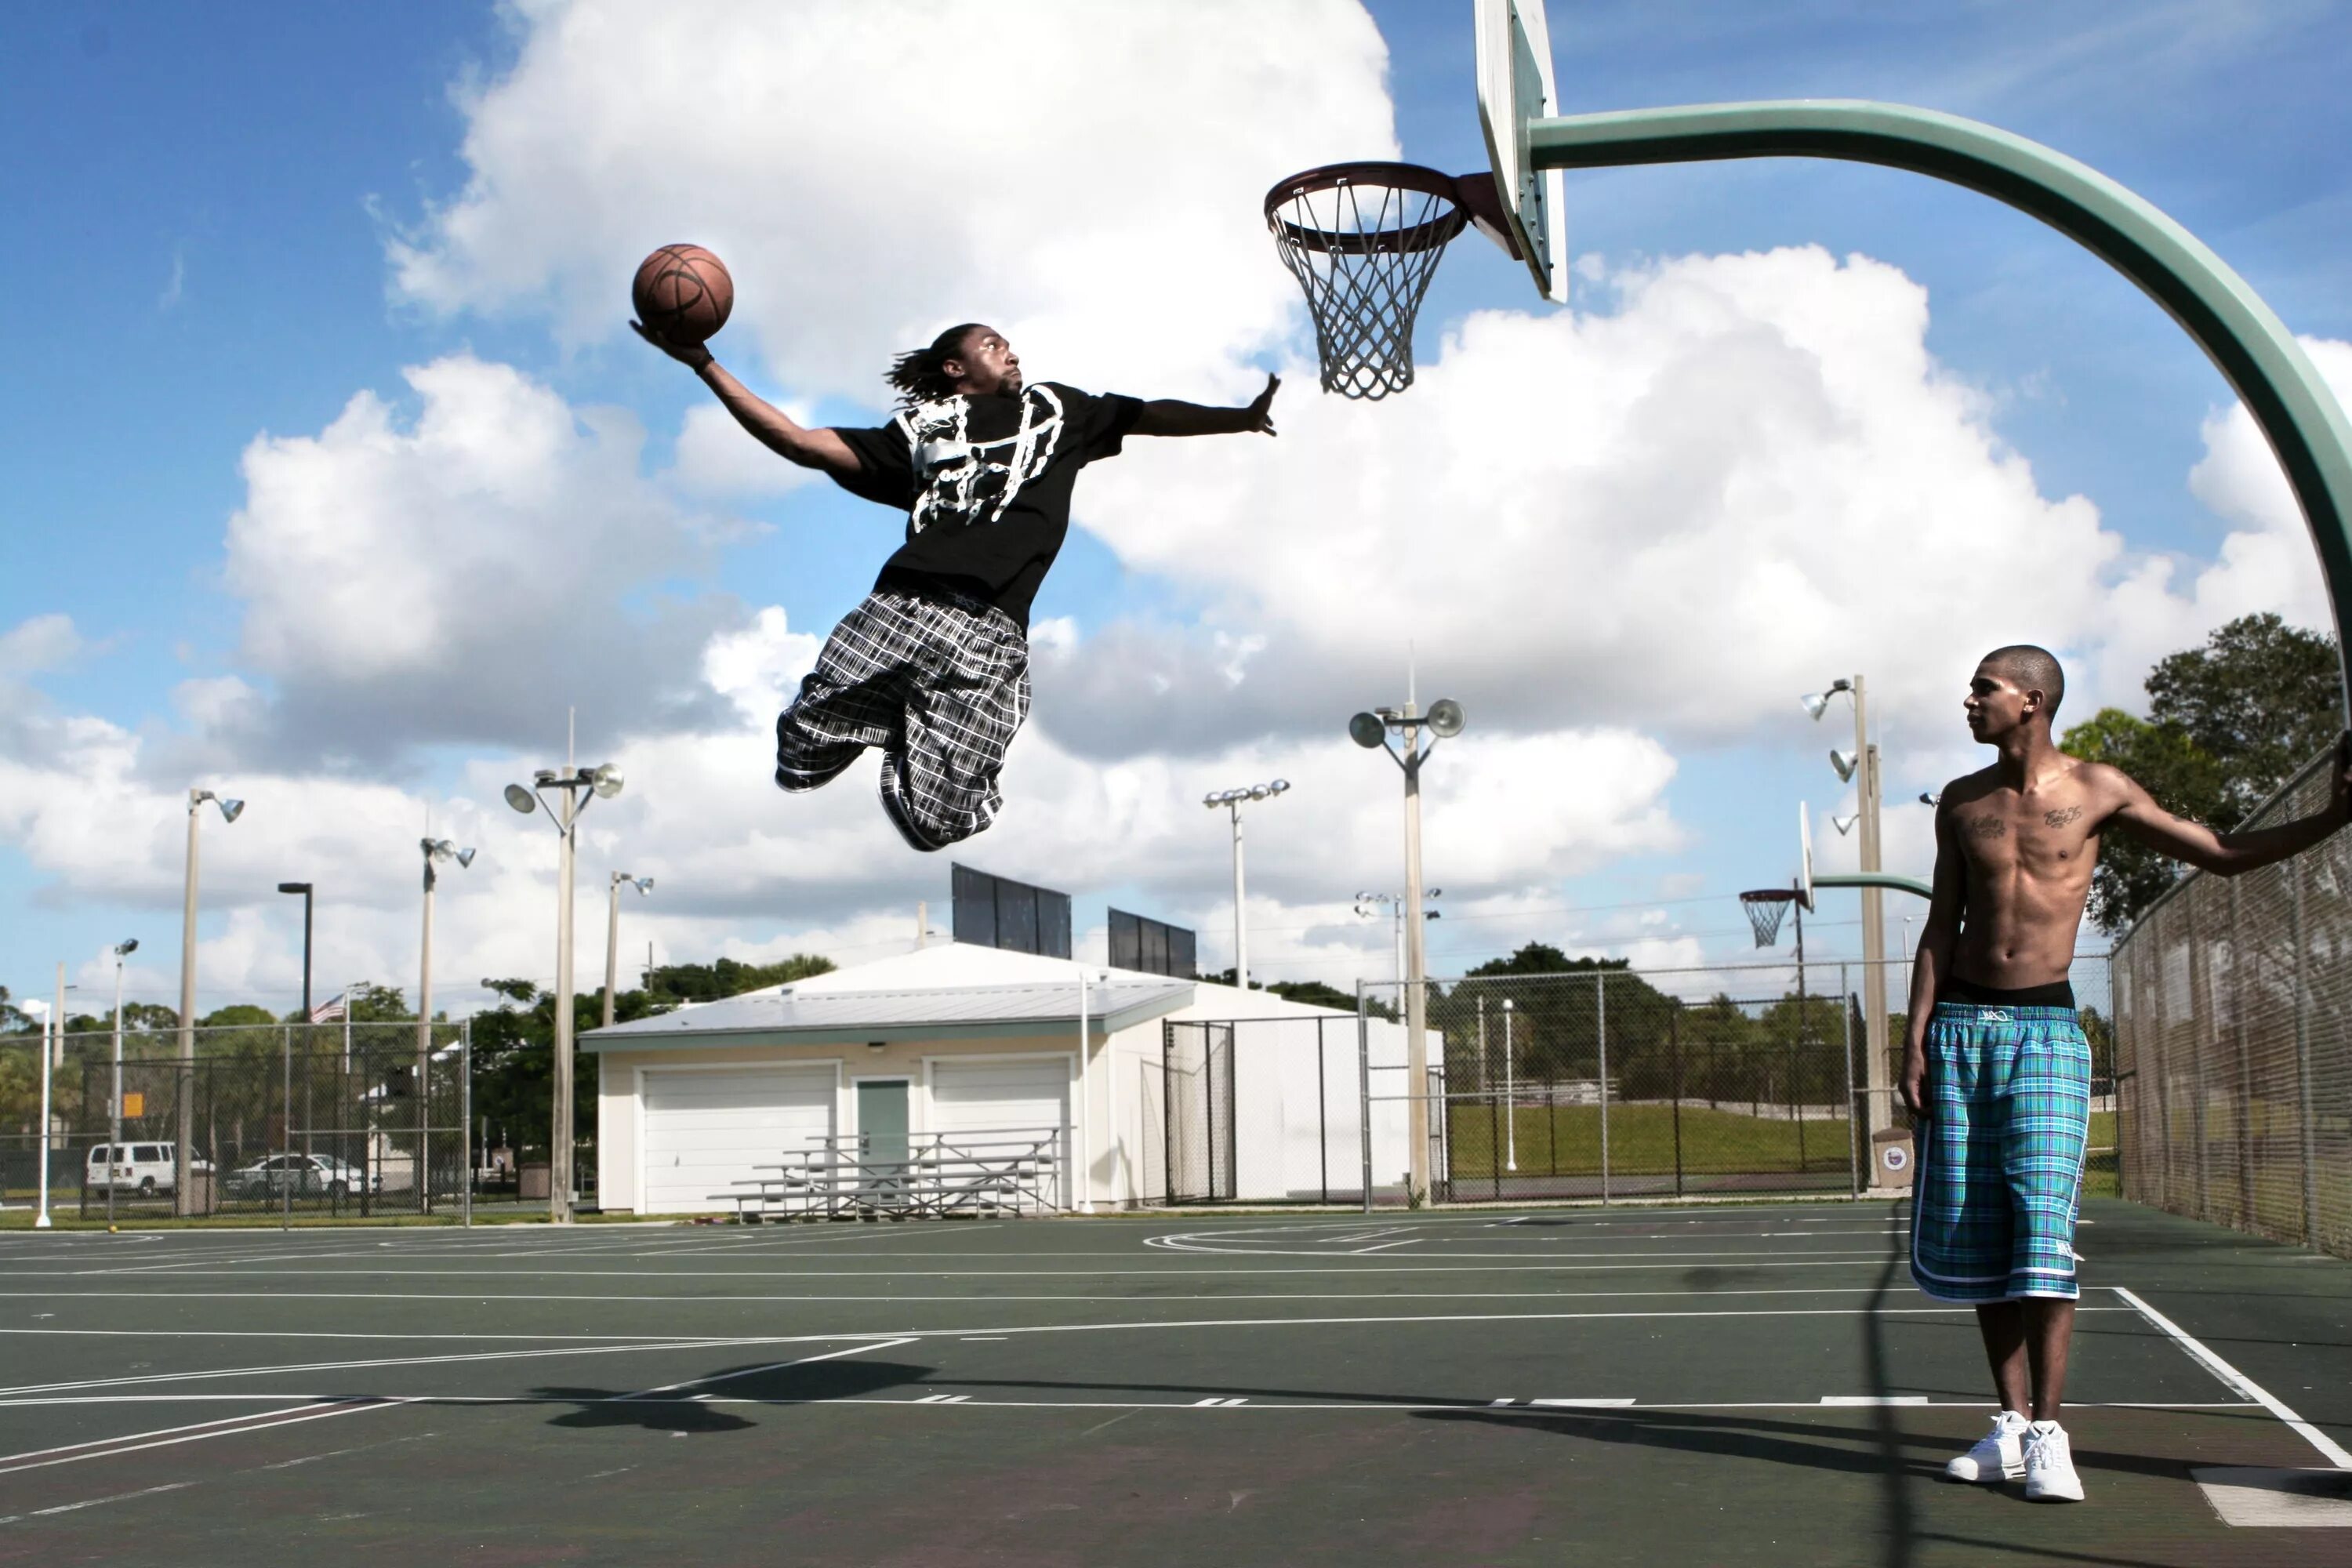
x=999, y=1096
x=706, y=1129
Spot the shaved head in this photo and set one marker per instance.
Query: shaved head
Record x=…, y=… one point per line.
x=2030, y=669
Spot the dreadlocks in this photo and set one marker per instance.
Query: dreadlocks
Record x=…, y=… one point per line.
x=920, y=376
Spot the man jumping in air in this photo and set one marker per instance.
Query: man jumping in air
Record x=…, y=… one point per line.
x=1995, y=1067
x=933, y=666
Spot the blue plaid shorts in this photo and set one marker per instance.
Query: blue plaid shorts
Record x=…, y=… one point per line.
x=2000, y=1152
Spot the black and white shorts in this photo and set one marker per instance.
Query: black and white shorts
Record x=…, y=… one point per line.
x=941, y=684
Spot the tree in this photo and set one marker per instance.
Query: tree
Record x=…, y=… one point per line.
x=2260, y=698
x=2228, y=724
x=2183, y=779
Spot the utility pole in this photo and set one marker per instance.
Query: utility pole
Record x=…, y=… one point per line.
x=1875, y=1076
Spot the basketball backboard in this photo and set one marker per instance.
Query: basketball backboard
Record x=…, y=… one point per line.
x=1515, y=85
x=1805, y=855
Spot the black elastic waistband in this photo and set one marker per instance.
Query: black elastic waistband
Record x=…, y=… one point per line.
x=2057, y=993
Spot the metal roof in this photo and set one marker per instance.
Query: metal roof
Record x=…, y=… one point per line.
x=788, y=1017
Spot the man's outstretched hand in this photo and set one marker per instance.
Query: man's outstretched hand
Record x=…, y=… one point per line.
x=1261, y=411
x=694, y=356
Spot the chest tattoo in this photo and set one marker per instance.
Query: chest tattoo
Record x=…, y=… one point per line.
x=1985, y=827
x=2062, y=816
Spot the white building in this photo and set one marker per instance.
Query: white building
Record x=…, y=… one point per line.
x=965, y=1040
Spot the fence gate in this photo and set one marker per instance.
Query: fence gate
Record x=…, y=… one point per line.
x=1197, y=1103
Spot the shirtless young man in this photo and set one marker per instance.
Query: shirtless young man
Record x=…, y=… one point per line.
x=1995, y=1067
x=933, y=666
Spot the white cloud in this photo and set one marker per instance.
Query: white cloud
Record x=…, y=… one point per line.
x=1085, y=177
x=465, y=574
x=715, y=457
x=39, y=643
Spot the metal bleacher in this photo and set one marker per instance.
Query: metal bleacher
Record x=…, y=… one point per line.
x=940, y=1176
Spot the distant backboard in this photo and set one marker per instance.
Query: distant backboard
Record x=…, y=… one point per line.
x=994, y=911
x=1805, y=855
x=1152, y=947
x=1515, y=85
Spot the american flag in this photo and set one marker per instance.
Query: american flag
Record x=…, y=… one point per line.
x=328, y=1011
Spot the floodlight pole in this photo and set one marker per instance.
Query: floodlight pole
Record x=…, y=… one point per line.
x=2239, y=332
x=185, y=1128
x=644, y=885
x=602, y=780
x=1231, y=799
x=53, y=1044
x=1408, y=735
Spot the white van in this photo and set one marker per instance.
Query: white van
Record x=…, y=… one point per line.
x=143, y=1168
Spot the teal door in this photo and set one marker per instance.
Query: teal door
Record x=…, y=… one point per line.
x=882, y=1121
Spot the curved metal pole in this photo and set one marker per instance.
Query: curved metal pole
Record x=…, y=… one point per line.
x=2241, y=335
x=1875, y=879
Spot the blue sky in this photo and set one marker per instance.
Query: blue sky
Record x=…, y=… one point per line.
x=207, y=198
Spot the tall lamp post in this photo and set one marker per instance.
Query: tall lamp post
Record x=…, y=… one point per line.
x=436, y=850
x=600, y=782
x=182, y=1151
x=303, y=888
x=1860, y=768
x=1231, y=799
x=114, y=1161
x=53, y=1045
x=644, y=885
x=1417, y=735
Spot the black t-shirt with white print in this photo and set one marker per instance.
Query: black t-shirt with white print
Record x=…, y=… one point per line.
x=986, y=484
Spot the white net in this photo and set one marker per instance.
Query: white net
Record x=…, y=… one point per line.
x=1364, y=240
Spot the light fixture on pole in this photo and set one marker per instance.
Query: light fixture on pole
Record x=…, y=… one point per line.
x=1844, y=825
x=114, y=1161
x=182, y=1151
x=436, y=851
x=1859, y=767
x=1231, y=799
x=1410, y=748
x=602, y=783
x=644, y=885
x=1931, y=798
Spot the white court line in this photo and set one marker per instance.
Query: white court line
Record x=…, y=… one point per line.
x=1008, y=1332
x=754, y=1370
x=1872, y=1260
x=1375, y=1405
x=290, y=1368
x=1874, y=1400
x=94, y=1502
x=2238, y=1382
x=267, y=1424
x=1386, y=1245
x=476, y=1299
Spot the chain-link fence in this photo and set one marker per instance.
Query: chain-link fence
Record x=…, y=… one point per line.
x=279, y=1120
x=2235, y=1042
x=1592, y=1084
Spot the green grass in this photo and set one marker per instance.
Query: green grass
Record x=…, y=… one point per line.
x=1567, y=1139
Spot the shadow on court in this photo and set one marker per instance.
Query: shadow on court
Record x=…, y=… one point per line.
x=684, y=1409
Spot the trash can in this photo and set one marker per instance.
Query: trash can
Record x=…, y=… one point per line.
x=1892, y=1156
x=532, y=1182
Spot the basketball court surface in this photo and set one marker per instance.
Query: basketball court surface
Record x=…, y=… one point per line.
x=1752, y=1385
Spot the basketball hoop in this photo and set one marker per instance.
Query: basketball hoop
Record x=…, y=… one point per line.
x=1364, y=240
x=1766, y=907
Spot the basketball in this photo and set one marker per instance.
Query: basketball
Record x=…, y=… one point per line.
x=683, y=293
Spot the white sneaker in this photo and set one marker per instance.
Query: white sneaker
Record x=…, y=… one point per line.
x=2050, y=1464
x=1999, y=1455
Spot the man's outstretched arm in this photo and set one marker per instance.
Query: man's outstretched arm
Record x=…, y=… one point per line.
x=1933, y=962
x=2230, y=854
x=1170, y=417
x=770, y=425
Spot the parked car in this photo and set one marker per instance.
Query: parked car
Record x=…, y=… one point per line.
x=306, y=1176
x=143, y=1168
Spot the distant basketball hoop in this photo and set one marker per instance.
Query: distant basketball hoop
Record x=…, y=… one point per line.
x=1767, y=907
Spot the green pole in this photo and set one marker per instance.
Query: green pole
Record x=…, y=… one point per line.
x=1873, y=880
x=2241, y=335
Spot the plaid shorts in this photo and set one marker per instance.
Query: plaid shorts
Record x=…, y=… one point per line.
x=941, y=684
x=2000, y=1152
